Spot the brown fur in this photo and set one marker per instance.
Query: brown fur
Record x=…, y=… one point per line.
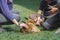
x=31, y=26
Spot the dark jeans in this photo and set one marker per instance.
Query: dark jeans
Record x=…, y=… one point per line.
x=52, y=22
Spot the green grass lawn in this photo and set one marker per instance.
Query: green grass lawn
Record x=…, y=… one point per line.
x=27, y=7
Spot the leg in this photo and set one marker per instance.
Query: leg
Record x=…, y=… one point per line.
x=58, y=4
x=50, y=21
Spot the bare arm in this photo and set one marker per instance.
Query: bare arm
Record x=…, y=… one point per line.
x=39, y=20
x=53, y=10
x=39, y=13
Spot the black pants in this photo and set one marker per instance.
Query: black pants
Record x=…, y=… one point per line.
x=52, y=22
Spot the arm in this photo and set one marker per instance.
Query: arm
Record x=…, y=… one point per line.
x=53, y=10
x=10, y=4
x=39, y=14
x=41, y=7
x=39, y=20
x=7, y=12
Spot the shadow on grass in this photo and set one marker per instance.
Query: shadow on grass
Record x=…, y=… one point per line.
x=8, y=29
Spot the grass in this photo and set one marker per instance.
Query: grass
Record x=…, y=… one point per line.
x=27, y=7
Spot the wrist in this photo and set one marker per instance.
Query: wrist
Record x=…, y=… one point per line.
x=18, y=25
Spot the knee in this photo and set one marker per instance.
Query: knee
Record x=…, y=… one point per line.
x=46, y=25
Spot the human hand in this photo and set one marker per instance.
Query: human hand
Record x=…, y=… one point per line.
x=52, y=11
x=39, y=22
x=23, y=25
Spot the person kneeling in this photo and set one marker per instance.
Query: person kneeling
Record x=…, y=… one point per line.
x=50, y=10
